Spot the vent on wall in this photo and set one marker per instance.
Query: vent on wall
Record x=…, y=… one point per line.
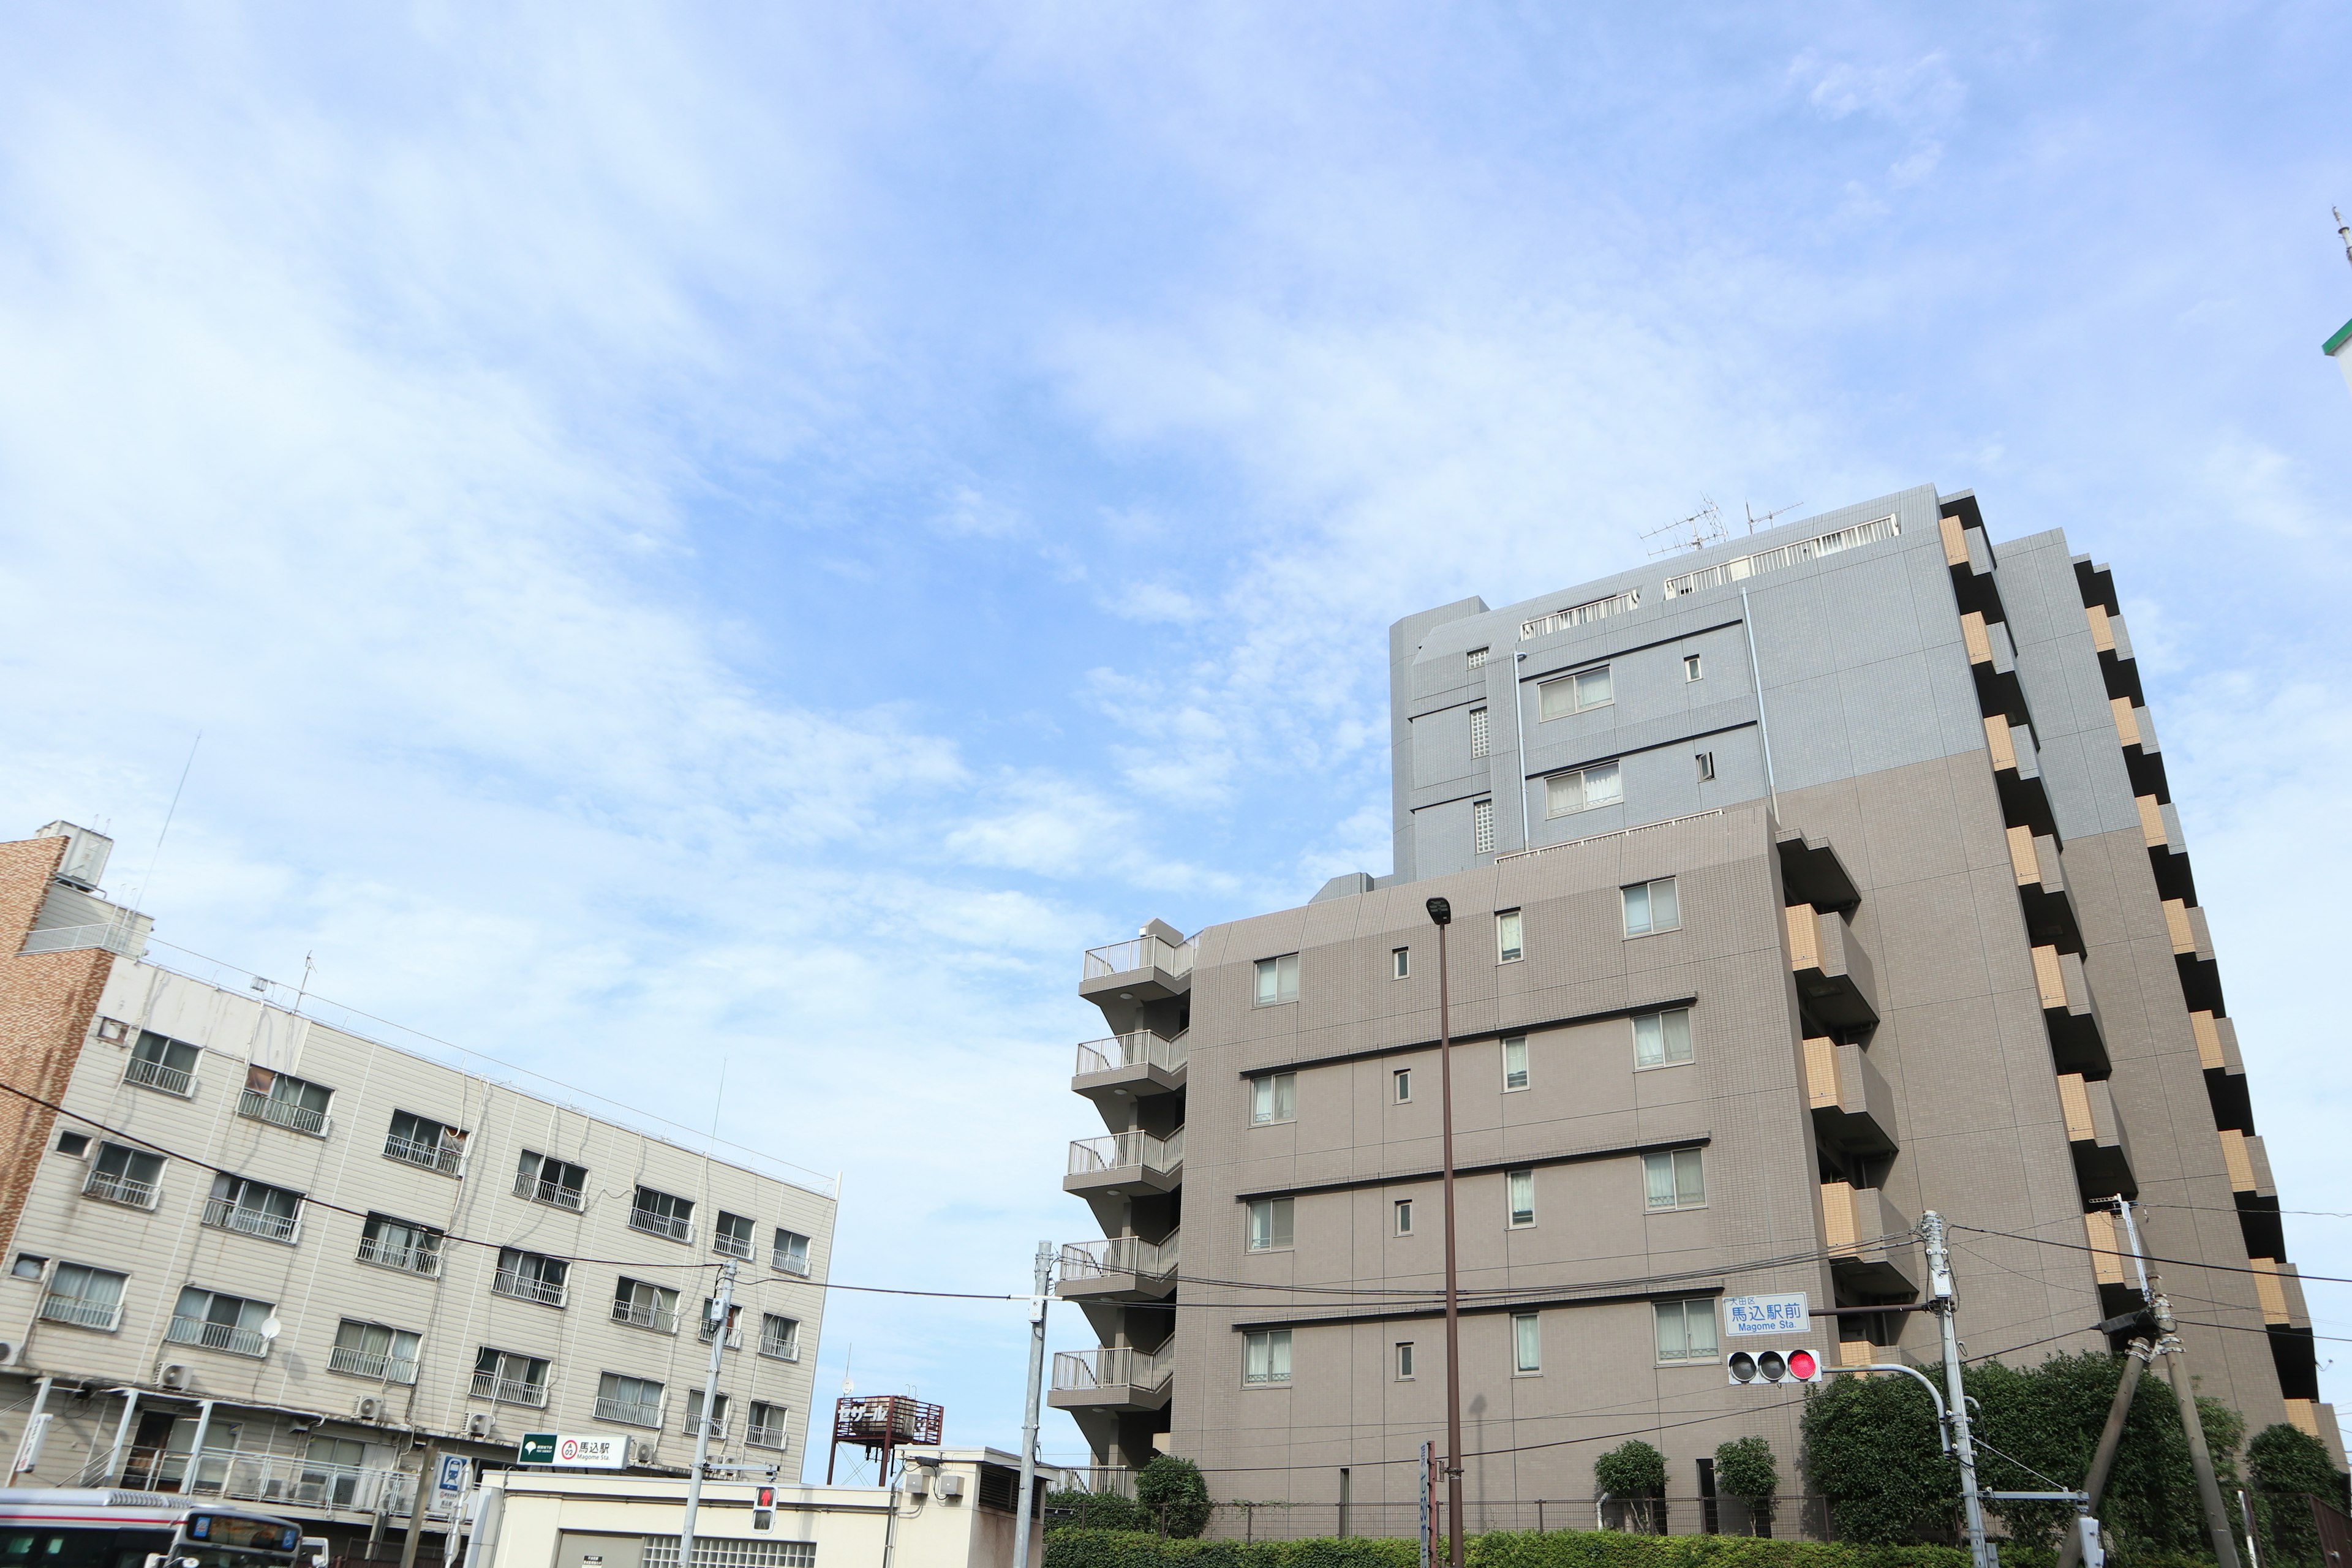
x=113, y=1031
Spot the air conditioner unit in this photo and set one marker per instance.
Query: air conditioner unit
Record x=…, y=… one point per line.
x=173, y=1375
x=644, y=1451
x=370, y=1408
x=478, y=1425
x=11, y=1352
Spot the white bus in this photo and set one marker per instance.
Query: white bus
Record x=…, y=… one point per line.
x=79, y=1528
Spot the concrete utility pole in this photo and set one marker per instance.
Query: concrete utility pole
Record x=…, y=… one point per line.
x=1939, y=1290
x=1040, y=1283
x=2070, y=1550
x=725, y=1304
x=1441, y=912
x=2200, y=1457
x=428, y=1480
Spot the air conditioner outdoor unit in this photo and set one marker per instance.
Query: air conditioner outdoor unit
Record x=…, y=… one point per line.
x=173, y=1375
x=644, y=1451
x=11, y=1352
x=478, y=1425
x=370, y=1408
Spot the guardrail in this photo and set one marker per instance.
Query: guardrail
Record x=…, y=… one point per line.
x=1112, y=1366
x=1138, y=952
x=1139, y=1048
x=1118, y=1255
x=1090, y=1156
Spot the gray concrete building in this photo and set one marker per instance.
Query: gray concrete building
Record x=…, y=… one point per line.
x=1800, y=884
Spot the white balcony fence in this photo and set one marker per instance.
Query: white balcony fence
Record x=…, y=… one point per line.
x=654, y=1224
x=222, y=1213
x=285, y=1479
x=1084, y=1260
x=524, y=1288
x=628, y=1412
x=441, y=1157
x=218, y=1337
x=660, y=1319
x=119, y=1189
x=1756, y=565
x=732, y=1245
x=759, y=1436
x=785, y=1349
x=1106, y=1480
x=530, y=1186
x=406, y=1257
x=1580, y=614
x=512, y=1390
x=1141, y=1048
x=370, y=1364
x=155, y=1075
x=81, y=1313
x=285, y=1113
x=785, y=1262
x=1140, y=952
x=703, y=1331
x=718, y=1427
x=1119, y=1150
x=113, y=936
x=1112, y=1367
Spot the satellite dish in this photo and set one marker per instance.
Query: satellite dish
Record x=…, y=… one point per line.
x=271, y=1328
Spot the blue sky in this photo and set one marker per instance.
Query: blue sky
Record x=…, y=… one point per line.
x=756, y=532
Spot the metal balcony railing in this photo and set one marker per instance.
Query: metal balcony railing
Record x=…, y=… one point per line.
x=628, y=1412
x=155, y=1075
x=113, y=936
x=1141, y=1048
x=732, y=1245
x=1090, y=1156
x=1138, y=952
x=383, y=1368
x=285, y=1113
x=119, y=1189
x=408, y=1258
x=785, y=1349
x=530, y=1186
x=1108, y=1480
x=513, y=1391
x=1112, y=1366
x=1117, y=1255
x=786, y=1262
x=525, y=1288
x=654, y=1224
x=1803, y=549
x=222, y=1213
x=703, y=1331
x=718, y=1425
x=287, y=1479
x=442, y=1157
x=661, y=1320
x=218, y=1337
x=81, y=1313
x=759, y=1436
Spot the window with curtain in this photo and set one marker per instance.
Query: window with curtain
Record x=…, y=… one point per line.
x=1567, y=793
x=1510, y=944
x=1273, y=1097
x=1526, y=1342
x=1265, y=1356
x=1686, y=1330
x=1674, y=1180
x=1277, y=980
x=1662, y=1039
x=1515, y=1063
x=1575, y=693
x=1270, y=1224
x=1651, y=905
x=1521, y=1184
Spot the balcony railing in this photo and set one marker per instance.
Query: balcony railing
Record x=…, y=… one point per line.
x=1138, y=952
x=222, y=1213
x=116, y=1188
x=524, y=1288
x=1141, y=1048
x=113, y=936
x=785, y=1349
x=654, y=1224
x=1108, y=1480
x=443, y=1157
x=1117, y=1255
x=785, y=1262
x=406, y=1257
x=530, y=1186
x=156, y=1075
x=661, y=1320
x=732, y=1245
x=287, y=1478
x=759, y=1436
x=1803, y=549
x=628, y=1412
x=1582, y=615
x=285, y=1113
x=513, y=1391
x=734, y=1340
x=1090, y=1156
x=370, y=1364
x=81, y=1313
x=1112, y=1366
x=218, y=1337
x=718, y=1425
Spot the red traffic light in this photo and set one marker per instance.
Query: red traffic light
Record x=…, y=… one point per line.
x=1803, y=1367
x=1773, y=1366
x=767, y=1497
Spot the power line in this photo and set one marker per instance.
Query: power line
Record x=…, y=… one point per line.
x=2177, y=1262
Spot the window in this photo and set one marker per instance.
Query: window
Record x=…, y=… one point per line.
x=1482, y=826
x=1662, y=1039
x=732, y=1234
x=1651, y=905
x=159, y=1063
x=1706, y=767
x=1691, y=668
x=770, y=1426
x=284, y=1100
x=124, y=1176
x=707, y=1322
x=219, y=1322
x=1400, y=962
x=511, y=1378
x=86, y=1298
x=662, y=1214
x=373, y=1351
x=1675, y=1181
x=1686, y=1330
x=1269, y=1224
x=400, y=1244
x=1400, y=1085
x=632, y=1401
x=780, y=1337
x=694, y=1414
x=544, y=1179
x=421, y=1141
x=645, y=1305
x=250, y=1208
x=72, y=1144
x=28, y=1265
x=1508, y=947
x=1565, y=794
x=1265, y=1356
x=1277, y=980
x=1521, y=1185
x=1404, y=1360
x=1527, y=1344
x=1476, y=658
x=1273, y=1097
x=530, y=1277
x=721, y=1552
x=791, y=1252
x=1477, y=731
x=1515, y=1063
x=1404, y=1216
x=1575, y=693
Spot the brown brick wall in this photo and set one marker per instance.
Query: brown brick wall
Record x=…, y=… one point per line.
x=46, y=1003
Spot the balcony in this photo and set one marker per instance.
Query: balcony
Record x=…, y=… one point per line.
x=1125, y=1163
x=530, y=1186
x=290, y=1481
x=374, y=1364
x=221, y=1213
x=628, y=1412
x=513, y=1391
x=128, y=939
x=787, y=1348
x=670, y=1227
x=2248, y=1165
x=1117, y=1268
x=1853, y=1111
x=694, y=1426
x=1125, y=975
x=256, y=1105
x=2077, y=1044
x=448, y=1159
x=1833, y=974
x=660, y=1319
x=2192, y=950
x=525, y=1288
x=1869, y=1241
x=2279, y=1287
x=1128, y=1065
x=406, y=1258
x=1115, y=1377
x=218, y=1337
x=108, y=1186
x=2095, y=1135
x=778, y=1436
x=81, y=1313
x=157, y=1076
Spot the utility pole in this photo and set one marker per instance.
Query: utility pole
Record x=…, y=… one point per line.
x=1940, y=1291
x=725, y=1306
x=428, y=1481
x=1441, y=912
x=2142, y=1351
x=2184, y=1390
x=1042, y=1281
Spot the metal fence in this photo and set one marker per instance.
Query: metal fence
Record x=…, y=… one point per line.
x=1791, y=1517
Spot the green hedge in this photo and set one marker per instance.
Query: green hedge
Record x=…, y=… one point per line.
x=1067, y=1546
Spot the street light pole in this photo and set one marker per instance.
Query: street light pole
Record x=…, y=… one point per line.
x=1441, y=913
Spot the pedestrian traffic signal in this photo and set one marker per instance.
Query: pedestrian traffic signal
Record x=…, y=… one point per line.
x=1771, y=1366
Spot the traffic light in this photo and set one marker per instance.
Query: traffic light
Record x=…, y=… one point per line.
x=1771, y=1366
x=764, y=1511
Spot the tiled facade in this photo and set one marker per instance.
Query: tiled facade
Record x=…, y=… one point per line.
x=1932, y=942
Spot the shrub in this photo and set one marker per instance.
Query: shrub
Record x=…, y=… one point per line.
x=1072, y=1507
x=2284, y=1464
x=1634, y=1469
x=1071, y=1547
x=1744, y=1468
x=1173, y=1496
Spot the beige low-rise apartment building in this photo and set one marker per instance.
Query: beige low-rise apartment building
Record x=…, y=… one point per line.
x=255, y=1254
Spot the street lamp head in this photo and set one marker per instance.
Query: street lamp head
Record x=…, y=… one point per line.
x=1441, y=912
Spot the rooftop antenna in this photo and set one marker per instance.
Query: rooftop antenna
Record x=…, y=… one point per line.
x=1755, y=522
x=1696, y=531
x=170, y=812
x=2344, y=229
x=848, y=1386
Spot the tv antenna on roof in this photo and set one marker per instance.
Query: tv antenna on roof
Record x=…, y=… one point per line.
x=1696, y=531
x=1755, y=522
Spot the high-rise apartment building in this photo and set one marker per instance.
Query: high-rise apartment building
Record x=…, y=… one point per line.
x=254, y=1256
x=1800, y=885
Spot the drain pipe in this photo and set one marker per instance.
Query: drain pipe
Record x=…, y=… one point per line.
x=1519, y=734
x=1764, y=730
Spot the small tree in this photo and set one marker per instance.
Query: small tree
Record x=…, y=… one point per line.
x=1095, y=1510
x=2285, y=1464
x=1744, y=1467
x=1173, y=1495
x=1636, y=1470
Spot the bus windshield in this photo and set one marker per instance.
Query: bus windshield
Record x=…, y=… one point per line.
x=80, y=1546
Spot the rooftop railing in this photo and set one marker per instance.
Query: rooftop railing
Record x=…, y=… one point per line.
x=156, y=1075
x=119, y=1189
x=1138, y=952
x=1579, y=615
x=1112, y=1366
x=113, y=936
x=218, y=1337
x=1117, y=1255
x=223, y=1213
x=1745, y=566
x=1119, y=1151
x=1140, y=1048
x=260, y=1107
